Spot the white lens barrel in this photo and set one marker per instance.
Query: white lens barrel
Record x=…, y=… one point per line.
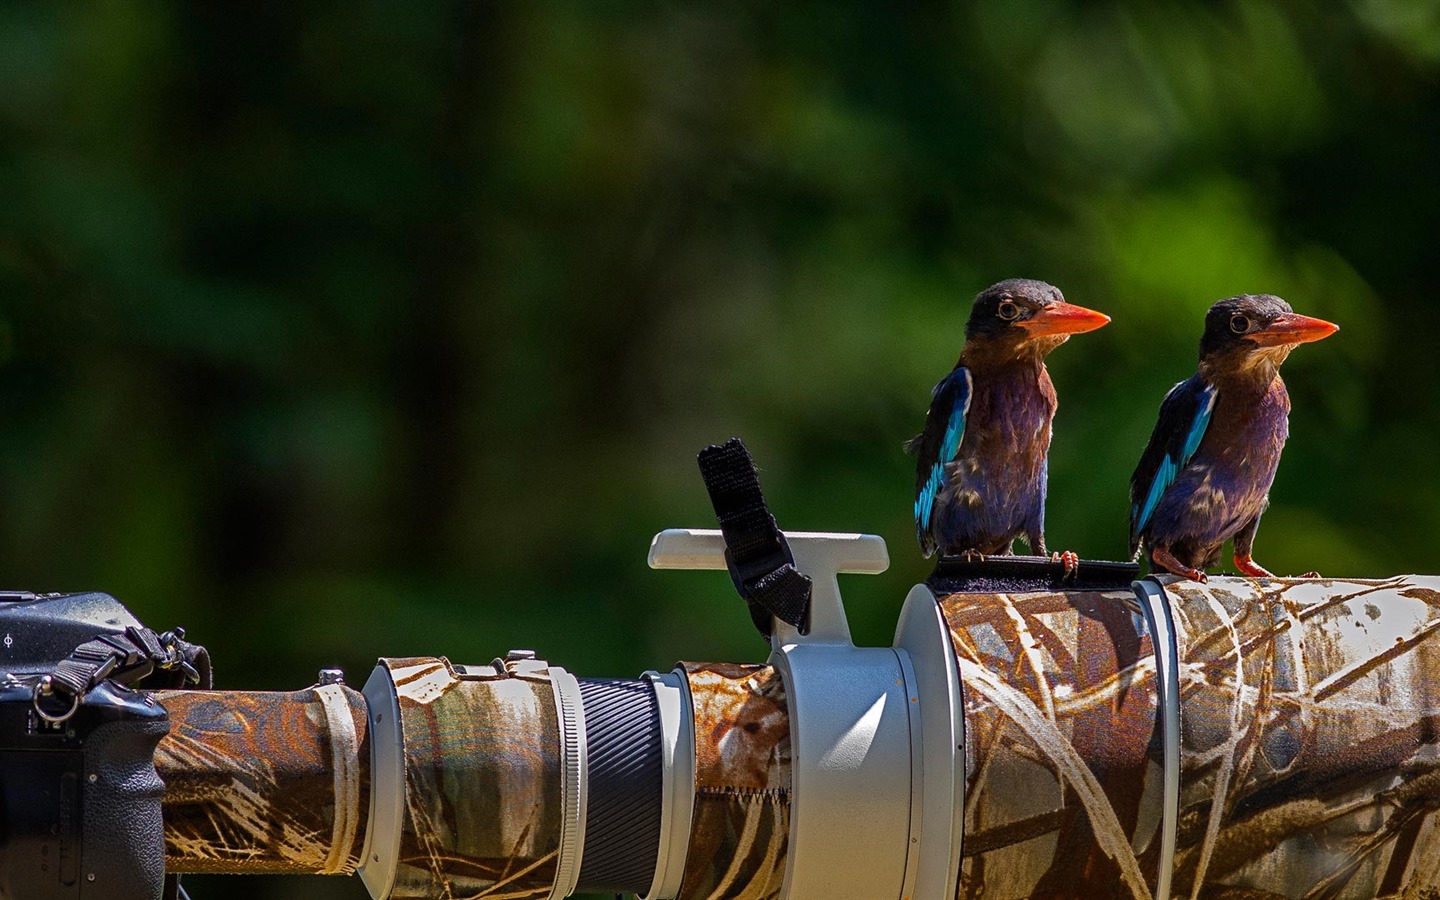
x=850, y=726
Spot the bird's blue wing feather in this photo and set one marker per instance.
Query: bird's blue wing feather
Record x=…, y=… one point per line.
x=1184, y=416
x=939, y=444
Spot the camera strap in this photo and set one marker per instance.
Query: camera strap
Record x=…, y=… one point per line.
x=756, y=552
x=129, y=657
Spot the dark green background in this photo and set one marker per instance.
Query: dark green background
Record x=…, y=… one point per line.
x=339, y=330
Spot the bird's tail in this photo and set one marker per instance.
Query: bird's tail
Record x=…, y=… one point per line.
x=926, y=540
x=1137, y=549
x=1137, y=539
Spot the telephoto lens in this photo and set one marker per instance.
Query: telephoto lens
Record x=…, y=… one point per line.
x=1034, y=731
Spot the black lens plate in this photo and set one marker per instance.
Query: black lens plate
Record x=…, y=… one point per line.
x=1013, y=574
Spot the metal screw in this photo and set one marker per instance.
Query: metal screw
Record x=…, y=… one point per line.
x=332, y=676
x=94, y=778
x=517, y=655
x=90, y=877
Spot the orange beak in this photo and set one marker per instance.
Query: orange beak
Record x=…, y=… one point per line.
x=1292, y=328
x=1063, y=318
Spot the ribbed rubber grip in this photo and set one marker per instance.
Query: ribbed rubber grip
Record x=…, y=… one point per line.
x=624, y=777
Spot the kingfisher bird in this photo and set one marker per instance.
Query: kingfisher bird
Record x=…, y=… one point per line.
x=980, y=471
x=1205, y=476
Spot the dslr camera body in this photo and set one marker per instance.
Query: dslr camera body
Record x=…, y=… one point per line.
x=80, y=813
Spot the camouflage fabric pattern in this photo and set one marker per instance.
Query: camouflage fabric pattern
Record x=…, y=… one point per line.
x=1310, y=760
x=741, y=827
x=1063, y=772
x=482, y=783
x=250, y=783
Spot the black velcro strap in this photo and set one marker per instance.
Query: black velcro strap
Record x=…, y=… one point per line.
x=759, y=558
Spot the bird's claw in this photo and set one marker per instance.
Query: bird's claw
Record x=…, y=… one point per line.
x=1249, y=567
x=1311, y=574
x=972, y=556
x=1167, y=561
x=1070, y=559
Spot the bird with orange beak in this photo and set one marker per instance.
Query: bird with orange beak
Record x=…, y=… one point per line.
x=980, y=476
x=1205, y=476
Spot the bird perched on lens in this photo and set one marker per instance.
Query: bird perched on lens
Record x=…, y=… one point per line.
x=1205, y=476
x=980, y=474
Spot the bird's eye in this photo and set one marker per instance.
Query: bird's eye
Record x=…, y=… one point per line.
x=1008, y=311
x=1239, y=324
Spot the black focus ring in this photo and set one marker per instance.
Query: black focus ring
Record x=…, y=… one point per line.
x=625, y=782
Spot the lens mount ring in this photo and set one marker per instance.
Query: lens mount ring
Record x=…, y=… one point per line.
x=574, y=763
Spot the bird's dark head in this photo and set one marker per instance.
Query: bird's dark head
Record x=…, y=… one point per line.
x=1020, y=317
x=1253, y=333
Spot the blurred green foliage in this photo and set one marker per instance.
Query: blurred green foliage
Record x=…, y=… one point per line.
x=333, y=331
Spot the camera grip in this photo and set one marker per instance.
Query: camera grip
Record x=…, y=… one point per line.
x=124, y=842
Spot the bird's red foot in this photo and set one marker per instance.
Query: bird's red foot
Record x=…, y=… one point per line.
x=1071, y=561
x=1248, y=566
x=1167, y=561
x=1311, y=574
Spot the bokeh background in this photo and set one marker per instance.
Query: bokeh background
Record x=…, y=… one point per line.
x=340, y=330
